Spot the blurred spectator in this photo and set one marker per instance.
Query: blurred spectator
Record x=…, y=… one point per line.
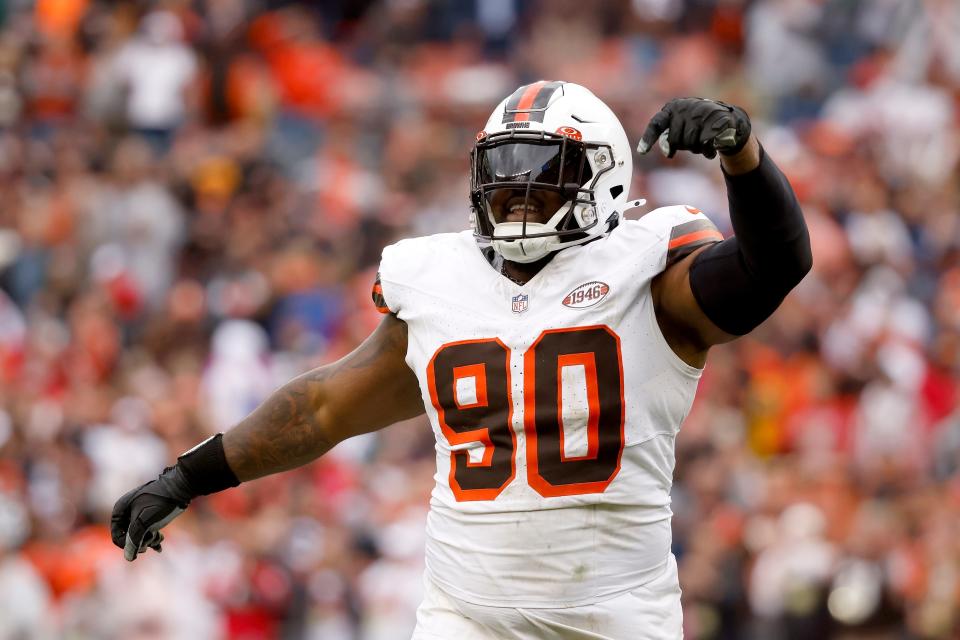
x=155, y=70
x=136, y=225
x=238, y=376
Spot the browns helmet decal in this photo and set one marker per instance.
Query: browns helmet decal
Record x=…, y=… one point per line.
x=570, y=132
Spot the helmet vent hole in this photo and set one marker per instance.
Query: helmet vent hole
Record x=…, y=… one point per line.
x=616, y=190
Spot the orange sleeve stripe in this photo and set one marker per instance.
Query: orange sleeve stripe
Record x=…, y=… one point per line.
x=696, y=236
x=378, y=300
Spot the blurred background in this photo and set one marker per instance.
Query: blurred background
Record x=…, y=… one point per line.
x=193, y=199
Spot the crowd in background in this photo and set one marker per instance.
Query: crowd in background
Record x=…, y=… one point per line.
x=193, y=199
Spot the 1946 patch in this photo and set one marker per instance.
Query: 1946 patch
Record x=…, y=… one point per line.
x=586, y=295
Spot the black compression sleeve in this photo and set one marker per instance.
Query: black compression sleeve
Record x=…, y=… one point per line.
x=739, y=282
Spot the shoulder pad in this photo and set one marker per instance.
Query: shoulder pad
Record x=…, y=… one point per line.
x=412, y=264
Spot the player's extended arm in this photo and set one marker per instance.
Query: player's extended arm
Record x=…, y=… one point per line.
x=726, y=289
x=370, y=388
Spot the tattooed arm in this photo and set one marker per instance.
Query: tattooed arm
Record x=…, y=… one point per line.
x=368, y=389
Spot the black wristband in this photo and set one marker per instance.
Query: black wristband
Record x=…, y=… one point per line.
x=204, y=468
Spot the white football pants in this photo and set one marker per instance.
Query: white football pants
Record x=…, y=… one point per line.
x=651, y=612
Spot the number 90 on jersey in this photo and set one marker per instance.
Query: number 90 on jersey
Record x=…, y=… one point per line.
x=486, y=416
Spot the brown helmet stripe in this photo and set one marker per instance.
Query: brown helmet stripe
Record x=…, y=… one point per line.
x=529, y=102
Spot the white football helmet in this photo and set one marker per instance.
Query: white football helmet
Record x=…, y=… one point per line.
x=552, y=136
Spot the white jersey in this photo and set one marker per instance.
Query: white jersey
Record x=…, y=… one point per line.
x=555, y=405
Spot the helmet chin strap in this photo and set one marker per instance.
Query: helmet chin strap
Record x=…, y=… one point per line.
x=524, y=251
x=532, y=249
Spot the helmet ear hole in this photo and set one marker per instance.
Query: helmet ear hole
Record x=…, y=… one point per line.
x=615, y=191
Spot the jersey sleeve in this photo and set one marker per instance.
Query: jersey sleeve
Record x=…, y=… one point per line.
x=682, y=229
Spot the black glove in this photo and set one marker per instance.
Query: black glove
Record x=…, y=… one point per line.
x=139, y=515
x=698, y=125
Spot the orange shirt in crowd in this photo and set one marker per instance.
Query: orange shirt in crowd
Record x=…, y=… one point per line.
x=59, y=18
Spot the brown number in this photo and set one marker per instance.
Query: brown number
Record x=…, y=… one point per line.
x=550, y=472
x=487, y=417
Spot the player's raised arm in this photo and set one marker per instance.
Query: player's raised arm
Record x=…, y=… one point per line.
x=370, y=388
x=726, y=289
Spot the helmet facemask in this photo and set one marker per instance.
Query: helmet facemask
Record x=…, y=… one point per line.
x=530, y=164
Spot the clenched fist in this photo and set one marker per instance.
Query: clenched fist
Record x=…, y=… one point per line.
x=698, y=125
x=139, y=514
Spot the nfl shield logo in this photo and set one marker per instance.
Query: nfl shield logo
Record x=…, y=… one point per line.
x=519, y=303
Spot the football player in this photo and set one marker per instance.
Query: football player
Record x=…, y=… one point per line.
x=556, y=349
